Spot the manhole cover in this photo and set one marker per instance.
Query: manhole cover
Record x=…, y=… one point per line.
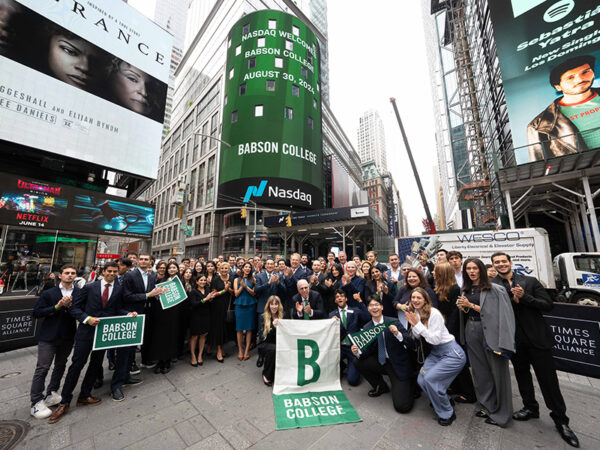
x=11, y=432
x=10, y=374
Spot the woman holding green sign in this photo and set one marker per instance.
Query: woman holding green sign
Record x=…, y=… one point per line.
x=165, y=328
x=245, y=307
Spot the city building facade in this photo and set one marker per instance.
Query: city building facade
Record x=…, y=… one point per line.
x=371, y=140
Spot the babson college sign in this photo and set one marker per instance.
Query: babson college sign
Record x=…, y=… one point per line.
x=272, y=114
x=307, y=390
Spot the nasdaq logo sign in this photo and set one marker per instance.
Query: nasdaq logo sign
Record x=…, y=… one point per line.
x=254, y=191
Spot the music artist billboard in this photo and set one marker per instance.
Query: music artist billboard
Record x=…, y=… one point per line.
x=84, y=79
x=272, y=114
x=549, y=53
x=33, y=203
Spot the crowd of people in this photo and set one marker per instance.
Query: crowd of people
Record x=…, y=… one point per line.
x=451, y=327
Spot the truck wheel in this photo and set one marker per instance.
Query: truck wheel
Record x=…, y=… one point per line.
x=586, y=296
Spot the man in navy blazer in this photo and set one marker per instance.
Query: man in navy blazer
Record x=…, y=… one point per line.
x=55, y=340
x=293, y=274
x=351, y=320
x=307, y=304
x=102, y=298
x=139, y=285
x=387, y=355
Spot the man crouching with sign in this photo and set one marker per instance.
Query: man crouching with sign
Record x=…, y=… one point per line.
x=102, y=298
x=385, y=353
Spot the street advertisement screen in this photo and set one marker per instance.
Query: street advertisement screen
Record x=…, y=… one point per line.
x=84, y=79
x=549, y=53
x=32, y=203
x=272, y=114
x=345, y=192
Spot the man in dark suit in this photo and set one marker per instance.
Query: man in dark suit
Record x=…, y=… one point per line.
x=307, y=304
x=139, y=285
x=427, y=268
x=533, y=345
x=351, y=320
x=316, y=279
x=55, y=340
x=387, y=355
x=293, y=274
x=102, y=298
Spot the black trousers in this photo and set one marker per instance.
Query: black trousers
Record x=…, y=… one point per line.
x=545, y=372
x=268, y=351
x=402, y=390
x=81, y=353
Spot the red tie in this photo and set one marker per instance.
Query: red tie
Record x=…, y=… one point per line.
x=105, y=295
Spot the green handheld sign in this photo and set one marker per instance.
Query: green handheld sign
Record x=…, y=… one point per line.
x=364, y=338
x=119, y=331
x=175, y=293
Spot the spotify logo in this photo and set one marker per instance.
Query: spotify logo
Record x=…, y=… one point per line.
x=559, y=10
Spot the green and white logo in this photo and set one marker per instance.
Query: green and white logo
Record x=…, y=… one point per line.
x=175, y=293
x=119, y=331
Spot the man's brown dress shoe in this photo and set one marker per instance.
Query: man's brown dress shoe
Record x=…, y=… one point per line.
x=62, y=409
x=88, y=401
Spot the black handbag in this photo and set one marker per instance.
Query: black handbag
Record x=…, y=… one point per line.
x=230, y=313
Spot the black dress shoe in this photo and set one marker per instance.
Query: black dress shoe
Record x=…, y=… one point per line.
x=260, y=361
x=567, y=434
x=491, y=421
x=526, y=414
x=157, y=369
x=463, y=399
x=98, y=383
x=165, y=370
x=117, y=395
x=379, y=390
x=481, y=413
x=448, y=421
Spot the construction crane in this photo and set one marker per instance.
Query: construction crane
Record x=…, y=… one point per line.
x=428, y=221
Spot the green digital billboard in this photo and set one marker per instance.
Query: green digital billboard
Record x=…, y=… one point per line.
x=272, y=114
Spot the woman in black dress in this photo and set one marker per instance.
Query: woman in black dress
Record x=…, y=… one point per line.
x=222, y=285
x=165, y=329
x=211, y=271
x=200, y=299
x=448, y=292
x=184, y=310
x=199, y=269
x=273, y=313
x=333, y=282
x=379, y=286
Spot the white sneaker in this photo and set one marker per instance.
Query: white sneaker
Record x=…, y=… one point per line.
x=53, y=399
x=40, y=410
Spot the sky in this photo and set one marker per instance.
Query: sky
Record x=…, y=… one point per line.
x=375, y=53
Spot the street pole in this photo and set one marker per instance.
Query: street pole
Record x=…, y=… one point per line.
x=186, y=196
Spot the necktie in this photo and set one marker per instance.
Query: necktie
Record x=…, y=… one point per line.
x=105, y=295
x=145, y=277
x=305, y=302
x=344, y=318
x=381, y=349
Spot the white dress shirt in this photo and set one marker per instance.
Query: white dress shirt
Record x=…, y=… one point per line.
x=435, y=333
x=65, y=292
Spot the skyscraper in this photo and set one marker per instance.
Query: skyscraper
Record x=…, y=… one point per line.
x=371, y=140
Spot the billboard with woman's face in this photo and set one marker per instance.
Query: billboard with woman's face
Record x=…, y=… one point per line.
x=84, y=79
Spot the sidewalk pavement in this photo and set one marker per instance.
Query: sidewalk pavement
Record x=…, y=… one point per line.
x=223, y=406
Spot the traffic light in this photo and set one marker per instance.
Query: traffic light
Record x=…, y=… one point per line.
x=243, y=213
x=288, y=221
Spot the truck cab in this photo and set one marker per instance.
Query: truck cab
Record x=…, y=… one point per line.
x=578, y=278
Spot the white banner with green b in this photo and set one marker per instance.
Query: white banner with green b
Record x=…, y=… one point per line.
x=307, y=390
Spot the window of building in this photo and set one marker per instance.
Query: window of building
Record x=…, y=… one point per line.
x=303, y=72
x=309, y=57
x=198, y=226
x=315, y=103
x=279, y=63
x=258, y=110
x=234, y=116
x=200, y=189
x=209, y=191
x=288, y=113
x=195, y=148
x=270, y=85
x=225, y=100
x=289, y=45
x=295, y=30
x=295, y=90
x=246, y=28
x=192, y=188
x=231, y=73
x=238, y=50
x=310, y=123
x=272, y=24
x=214, y=129
x=175, y=232
x=204, y=146
x=242, y=89
x=251, y=63
x=260, y=42
x=207, y=218
x=228, y=42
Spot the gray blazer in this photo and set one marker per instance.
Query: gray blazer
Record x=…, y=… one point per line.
x=497, y=319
